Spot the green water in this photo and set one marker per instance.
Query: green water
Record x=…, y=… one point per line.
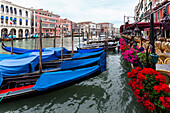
x=106, y=93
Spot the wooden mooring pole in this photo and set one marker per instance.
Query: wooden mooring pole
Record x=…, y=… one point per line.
x=12, y=43
x=62, y=43
x=55, y=37
x=40, y=67
x=72, y=39
x=79, y=37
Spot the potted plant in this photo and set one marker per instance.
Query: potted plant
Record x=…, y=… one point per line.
x=150, y=89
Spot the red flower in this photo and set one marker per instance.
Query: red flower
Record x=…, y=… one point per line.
x=130, y=75
x=165, y=102
x=141, y=77
x=137, y=91
x=150, y=106
x=162, y=87
x=160, y=78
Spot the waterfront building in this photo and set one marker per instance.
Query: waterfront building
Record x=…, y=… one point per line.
x=159, y=14
x=66, y=23
x=88, y=26
x=106, y=27
x=49, y=22
x=16, y=19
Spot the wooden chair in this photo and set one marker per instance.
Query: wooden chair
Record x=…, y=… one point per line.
x=160, y=61
x=163, y=57
x=167, y=61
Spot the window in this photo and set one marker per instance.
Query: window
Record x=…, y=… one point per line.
x=35, y=24
x=45, y=25
x=11, y=10
x=35, y=17
x=15, y=21
x=20, y=21
x=158, y=15
x=15, y=11
x=52, y=25
x=20, y=12
x=2, y=19
x=2, y=8
x=26, y=22
x=7, y=10
x=6, y=20
x=50, y=30
x=26, y=13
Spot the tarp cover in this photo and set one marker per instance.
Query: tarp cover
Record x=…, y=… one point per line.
x=1, y=78
x=90, y=50
x=102, y=62
x=78, y=55
x=12, y=67
x=70, y=64
x=55, y=79
x=57, y=50
x=8, y=56
x=46, y=55
x=21, y=51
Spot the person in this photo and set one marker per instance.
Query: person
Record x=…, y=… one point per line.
x=26, y=35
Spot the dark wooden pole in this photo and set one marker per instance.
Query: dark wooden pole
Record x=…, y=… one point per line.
x=87, y=37
x=55, y=37
x=96, y=34
x=91, y=35
x=62, y=43
x=83, y=36
x=79, y=37
x=72, y=39
x=40, y=67
x=11, y=43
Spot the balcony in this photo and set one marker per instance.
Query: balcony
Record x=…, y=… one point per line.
x=47, y=27
x=49, y=21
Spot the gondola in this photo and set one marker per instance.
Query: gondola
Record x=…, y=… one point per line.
x=32, y=83
x=58, y=50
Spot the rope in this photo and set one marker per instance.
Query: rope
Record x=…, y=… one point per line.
x=4, y=95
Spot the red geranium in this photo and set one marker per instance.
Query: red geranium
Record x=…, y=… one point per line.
x=145, y=83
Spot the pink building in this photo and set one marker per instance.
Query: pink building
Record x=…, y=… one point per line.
x=66, y=26
x=49, y=22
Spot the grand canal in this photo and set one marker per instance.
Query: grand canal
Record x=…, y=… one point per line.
x=106, y=93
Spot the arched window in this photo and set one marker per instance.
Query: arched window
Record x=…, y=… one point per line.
x=7, y=10
x=26, y=13
x=11, y=10
x=2, y=8
x=2, y=19
x=20, y=12
x=15, y=11
x=20, y=21
x=6, y=20
x=26, y=22
x=15, y=21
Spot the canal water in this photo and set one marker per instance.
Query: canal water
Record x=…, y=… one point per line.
x=106, y=93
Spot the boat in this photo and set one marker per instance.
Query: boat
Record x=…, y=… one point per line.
x=57, y=50
x=24, y=85
x=30, y=65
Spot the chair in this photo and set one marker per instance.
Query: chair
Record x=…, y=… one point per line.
x=160, y=61
x=163, y=57
x=167, y=61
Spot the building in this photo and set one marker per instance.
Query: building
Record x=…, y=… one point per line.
x=66, y=23
x=16, y=19
x=105, y=27
x=88, y=26
x=49, y=22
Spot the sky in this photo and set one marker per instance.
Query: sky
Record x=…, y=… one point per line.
x=97, y=11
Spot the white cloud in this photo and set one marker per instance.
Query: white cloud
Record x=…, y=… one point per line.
x=85, y=10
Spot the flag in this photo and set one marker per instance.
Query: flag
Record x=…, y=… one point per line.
x=11, y=21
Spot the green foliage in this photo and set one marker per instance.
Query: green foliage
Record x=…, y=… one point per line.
x=142, y=58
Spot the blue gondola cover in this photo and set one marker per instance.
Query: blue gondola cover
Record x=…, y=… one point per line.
x=1, y=78
x=12, y=67
x=2, y=17
x=78, y=55
x=55, y=79
x=90, y=50
x=6, y=17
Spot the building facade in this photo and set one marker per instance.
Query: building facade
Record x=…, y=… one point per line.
x=14, y=19
x=49, y=22
x=106, y=27
x=66, y=23
x=88, y=26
